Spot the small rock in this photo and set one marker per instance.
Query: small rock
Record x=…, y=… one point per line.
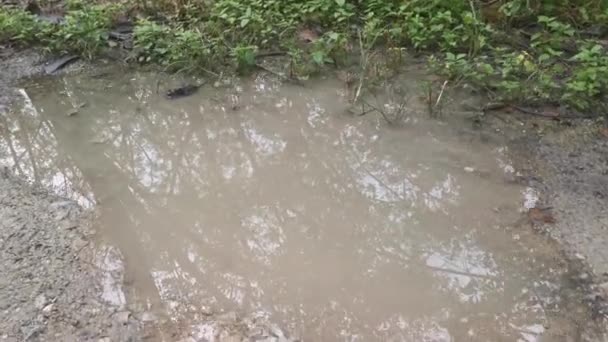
x=79, y=243
x=148, y=317
x=72, y=112
x=469, y=169
x=104, y=339
x=122, y=317
x=47, y=309
x=232, y=338
x=128, y=44
x=61, y=214
x=61, y=204
x=68, y=225
x=40, y=301
x=228, y=317
x=604, y=288
x=33, y=332
x=187, y=339
x=276, y=331
x=258, y=333
x=269, y=339
x=207, y=311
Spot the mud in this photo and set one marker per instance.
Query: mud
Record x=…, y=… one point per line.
x=251, y=202
x=51, y=276
x=575, y=178
x=48, y=290
x=567, y=162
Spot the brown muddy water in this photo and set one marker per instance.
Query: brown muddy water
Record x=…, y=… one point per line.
x=271, y=201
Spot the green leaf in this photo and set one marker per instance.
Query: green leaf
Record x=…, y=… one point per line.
x=544, y=57
x=318, y=57
x=333, y=35
x=244, y=22
x=340, y=2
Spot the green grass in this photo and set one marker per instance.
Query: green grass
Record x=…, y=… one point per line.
x=524, y=51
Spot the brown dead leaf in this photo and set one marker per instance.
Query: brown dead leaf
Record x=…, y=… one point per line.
x=490, y=11
x=308, y=35
x=604, y=132
x=541, y=215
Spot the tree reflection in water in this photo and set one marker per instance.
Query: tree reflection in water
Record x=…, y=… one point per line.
x=336, y=226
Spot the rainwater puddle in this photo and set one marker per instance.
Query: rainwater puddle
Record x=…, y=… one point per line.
x=269, y=200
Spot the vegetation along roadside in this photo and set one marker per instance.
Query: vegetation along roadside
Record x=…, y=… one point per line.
x=532, y=52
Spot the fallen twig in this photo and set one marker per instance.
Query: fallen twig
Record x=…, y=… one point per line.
x=534, y=112
x=441, y=93
x=363, y=67
x=549, y=115
x=278, y=74
x=379, y=111
x=490, y=106
x=363, y=111
x=462, y=273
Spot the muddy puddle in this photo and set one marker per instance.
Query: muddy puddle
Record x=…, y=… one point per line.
x=271, y=201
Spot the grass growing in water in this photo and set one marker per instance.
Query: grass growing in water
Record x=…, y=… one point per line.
x=530, y=51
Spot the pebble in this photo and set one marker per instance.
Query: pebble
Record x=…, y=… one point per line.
x=604, y=288
x=148, y=317
x=47, y=309
x=79, y=243
x=228, y=317
x=60, y=204
x=269, y=339
x=122, y=317
x=276, y=331
x=61, y=214
x=232, y=338
x=40, y=301
x=187, y=339
x=68, y=224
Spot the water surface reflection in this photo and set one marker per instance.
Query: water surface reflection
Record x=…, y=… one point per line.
x=338, y=227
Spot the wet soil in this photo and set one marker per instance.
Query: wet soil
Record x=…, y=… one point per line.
x=252, y=202
x=48, y=290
